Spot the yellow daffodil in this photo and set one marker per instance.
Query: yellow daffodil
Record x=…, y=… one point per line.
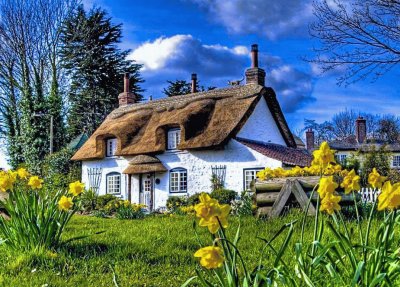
x=210, y=211
x=65, y=203
x=211, y=257
x=351, y=182
x=330, y=203
x=6, y=182
x=76, y=188
x=389, y=197
x=326, y=186
x=35, y=182
x=23, y=173
x=375, y=179
x=323, y=156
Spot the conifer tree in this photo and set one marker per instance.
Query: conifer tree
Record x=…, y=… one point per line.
x=96, y=66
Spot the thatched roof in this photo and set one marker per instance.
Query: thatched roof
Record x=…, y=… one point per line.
x=287, y=155
x=144, y=164
x=206, y=119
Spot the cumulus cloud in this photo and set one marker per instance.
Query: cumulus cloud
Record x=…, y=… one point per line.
x=176, y=57
x=267, y=18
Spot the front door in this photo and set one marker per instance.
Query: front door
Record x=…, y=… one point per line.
x=147, y=190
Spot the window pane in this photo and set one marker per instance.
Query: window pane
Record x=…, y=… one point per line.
x=249, y=176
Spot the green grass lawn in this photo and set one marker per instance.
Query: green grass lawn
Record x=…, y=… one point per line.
x=155, y=251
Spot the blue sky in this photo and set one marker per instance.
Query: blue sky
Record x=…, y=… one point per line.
x=174, y=38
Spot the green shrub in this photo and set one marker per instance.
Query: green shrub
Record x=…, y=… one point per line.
x=193, y=199
x=88, y=200
x=59, y=170
x=130, y=211
x=174, y=202
x=103, y=200
x=224, y=196
x=244, y=205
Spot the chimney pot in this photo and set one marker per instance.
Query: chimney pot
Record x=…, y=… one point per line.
x=361, y=129
x=194, y=83
x=310, y=139
x=254, y=56
x=126, y=97
x=255, y=75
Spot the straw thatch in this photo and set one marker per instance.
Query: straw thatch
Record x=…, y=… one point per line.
x=144, y=164
x=206, y=119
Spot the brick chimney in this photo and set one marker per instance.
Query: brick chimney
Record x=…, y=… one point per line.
x=194, y=83
x=255, y=75
x=361, y=129
x=126, y=98
x=310, y=140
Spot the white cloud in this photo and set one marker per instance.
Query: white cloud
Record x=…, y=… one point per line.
x=176, y=57
x=154, y=55
x=268, y=18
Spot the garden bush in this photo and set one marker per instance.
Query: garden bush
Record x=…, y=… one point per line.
x=88, y=200
x=103, y=200
x=130, y=211
x=224, y=196
x=244, y=205
x=193, y=199
x=175, y=202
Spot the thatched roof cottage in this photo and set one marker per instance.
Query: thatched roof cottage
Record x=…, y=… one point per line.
x=148, y=151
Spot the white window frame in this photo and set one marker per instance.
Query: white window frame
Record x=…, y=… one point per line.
x=173, y=139
x=178, y=180
x=396, y=161
x=111, y=147
x=249, y=174
x=113, y=183
x=341, y=158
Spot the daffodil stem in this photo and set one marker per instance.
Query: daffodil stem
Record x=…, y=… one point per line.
x=358, y=218
x=315, y=228
x=306, y=213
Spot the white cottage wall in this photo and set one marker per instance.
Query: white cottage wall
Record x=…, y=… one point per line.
x=261, y=126
x=235, y=156
x=108, y=165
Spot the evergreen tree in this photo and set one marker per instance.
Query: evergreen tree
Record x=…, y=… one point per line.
x=181, y=87
x=96, y=66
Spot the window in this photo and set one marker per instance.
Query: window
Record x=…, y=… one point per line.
x=113, y=183
x=174, y=138
x=396, y=161
x=178, y=180
x=341, y=158
x=111, y=147
x=248, y=176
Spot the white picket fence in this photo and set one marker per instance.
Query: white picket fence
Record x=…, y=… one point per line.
x=369, y=194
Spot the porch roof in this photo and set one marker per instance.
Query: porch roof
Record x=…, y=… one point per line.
x=144, y=164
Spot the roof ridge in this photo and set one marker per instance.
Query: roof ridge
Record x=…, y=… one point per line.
x=211, y=94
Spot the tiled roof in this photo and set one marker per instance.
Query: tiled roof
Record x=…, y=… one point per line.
x=350, y=143
x=287, y=155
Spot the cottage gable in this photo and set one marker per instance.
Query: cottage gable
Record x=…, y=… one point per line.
x=207, y=119
x=261, y=126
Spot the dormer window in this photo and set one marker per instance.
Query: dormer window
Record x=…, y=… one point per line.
x=174, y=138
x=111, y=147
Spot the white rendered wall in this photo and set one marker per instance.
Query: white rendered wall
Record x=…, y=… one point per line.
x=261, y=126
x=114, y=164
x=235, y=156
